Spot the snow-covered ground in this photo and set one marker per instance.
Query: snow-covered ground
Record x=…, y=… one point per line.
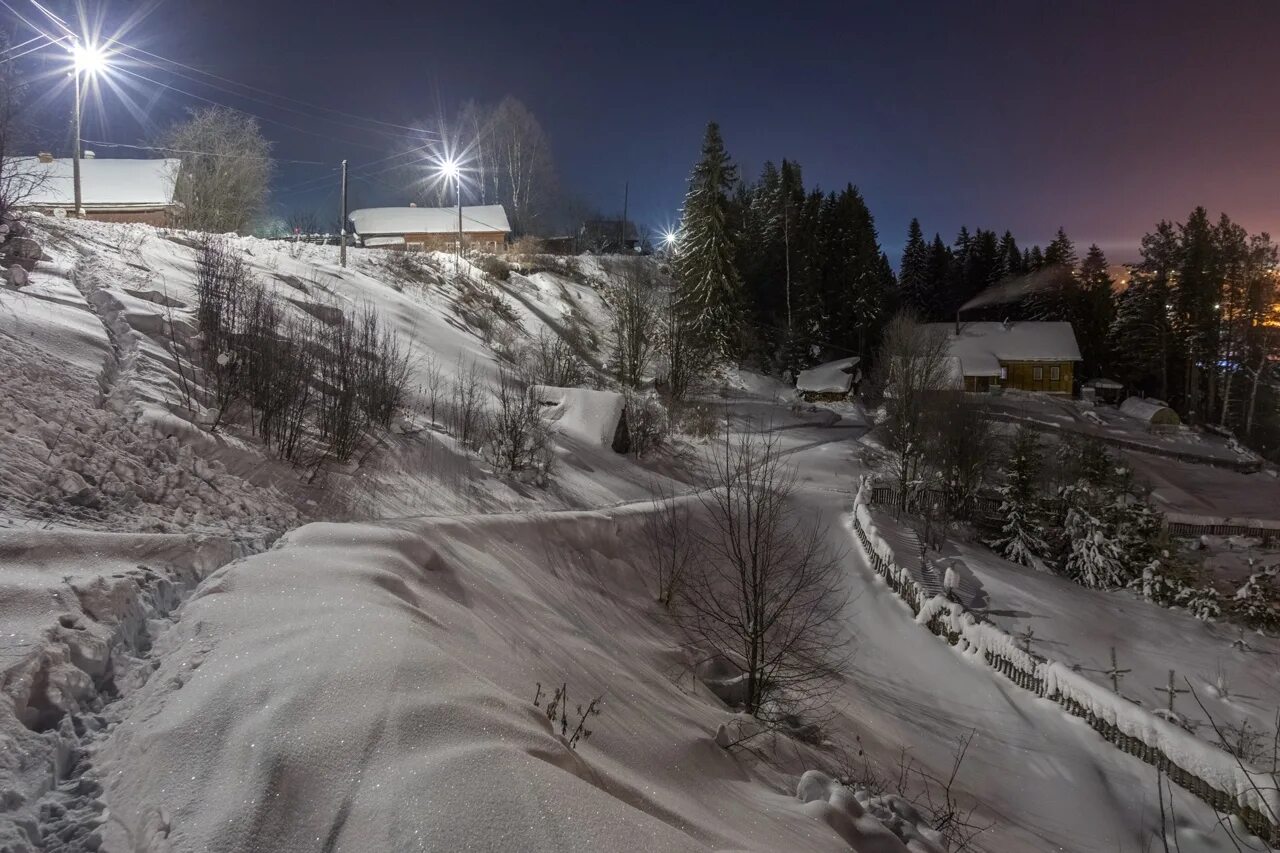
x=357, y=666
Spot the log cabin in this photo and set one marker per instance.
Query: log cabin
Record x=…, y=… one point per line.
x=1024, y=355
x=431, y=228
x=111, y=189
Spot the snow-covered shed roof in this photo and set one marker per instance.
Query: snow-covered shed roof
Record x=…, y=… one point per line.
x=1149, y=411
x=834, y=377
x=104, y=183
x=1103, y=382
x=591, y=416
x=384, y=221
x=981, y=347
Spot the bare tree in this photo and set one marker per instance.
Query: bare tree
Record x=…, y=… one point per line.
x=913, y=368
x=226, y=169
x=634, y=299
x=767, y=593
x=673, y=543
x=551, y=360
x=681, y=358
x=20, y=178
x=960, y=445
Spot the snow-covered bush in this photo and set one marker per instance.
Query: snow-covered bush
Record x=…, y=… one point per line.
x=494, y=267
x=466, y=404
x=699, y=421
x=1257, y=600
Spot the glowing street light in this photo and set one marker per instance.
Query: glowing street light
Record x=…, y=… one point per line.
x=91, y=60
x=451, y=170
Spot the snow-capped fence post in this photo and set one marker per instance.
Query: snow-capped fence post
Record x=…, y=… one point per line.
x=1231, y=787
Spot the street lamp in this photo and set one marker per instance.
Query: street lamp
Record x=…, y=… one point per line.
x=91, y=60
x=451, y=171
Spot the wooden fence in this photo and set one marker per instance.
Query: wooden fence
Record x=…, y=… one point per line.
x=1265, y=826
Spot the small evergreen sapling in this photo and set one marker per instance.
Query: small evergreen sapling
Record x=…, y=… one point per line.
x=1021, y=539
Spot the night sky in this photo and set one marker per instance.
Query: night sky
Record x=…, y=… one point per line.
x=1101, y=117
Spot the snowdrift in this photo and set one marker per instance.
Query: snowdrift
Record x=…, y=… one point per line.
x=364, y=688
x=595, y=417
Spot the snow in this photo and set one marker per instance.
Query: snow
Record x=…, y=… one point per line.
x=833, y=377
x=105, y=183
x=589, y=416
x=981, y=347
x=382, y=221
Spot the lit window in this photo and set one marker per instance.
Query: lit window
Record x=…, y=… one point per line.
x=1004, y=373
x=1037, y=373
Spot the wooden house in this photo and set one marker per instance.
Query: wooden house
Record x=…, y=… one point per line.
x=1026, y=355
x=426, y=228
x=111, y=190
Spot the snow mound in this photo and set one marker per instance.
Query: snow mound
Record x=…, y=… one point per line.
x=885, y=824
x=834, y=377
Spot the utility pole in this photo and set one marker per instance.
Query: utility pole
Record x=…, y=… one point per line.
x=457, y=262
x=75, y=158
x=342, y=253
x=622, y=229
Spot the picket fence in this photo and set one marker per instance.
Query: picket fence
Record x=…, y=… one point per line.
x=1263, y=825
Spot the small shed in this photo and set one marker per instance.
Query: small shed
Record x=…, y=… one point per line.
x=1104, y=390
x=829, y=382
x=1156, y=414
x=598, y=418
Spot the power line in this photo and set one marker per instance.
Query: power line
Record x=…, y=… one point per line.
x=270, y=93
x=319, y=179
x=23, y=44
x=233, y=93
x=243, y=112
x=204, y=153
x=34, y=49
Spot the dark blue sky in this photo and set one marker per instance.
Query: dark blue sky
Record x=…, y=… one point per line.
x=1102, y=117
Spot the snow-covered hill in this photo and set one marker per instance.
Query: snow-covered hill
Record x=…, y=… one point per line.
x=204, y=647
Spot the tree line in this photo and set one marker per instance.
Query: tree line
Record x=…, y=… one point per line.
x=774, y=273
x=1197, y=324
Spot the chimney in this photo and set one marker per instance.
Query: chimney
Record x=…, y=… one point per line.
x=45, y=157
x=88, y=155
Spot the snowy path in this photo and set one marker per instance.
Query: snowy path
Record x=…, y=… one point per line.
x=1048, y=780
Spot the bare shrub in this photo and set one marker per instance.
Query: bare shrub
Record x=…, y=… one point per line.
x=466, y=404
x=279, y=366
x=551, y=360
x=767, y=594
x=384, y=367
x=699, y=421
x=633, y=296
x=433, y=384
x=342, y=416
x=223, y=290
x=673, y=543
x=647, y=422
x=525, y=245
x=557, y=711
x=682, y=360
x=516, y=437
x=494, y=267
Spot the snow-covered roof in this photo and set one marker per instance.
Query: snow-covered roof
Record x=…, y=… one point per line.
x=1149, y=411
x=1103, y=382
x=382, y=221
x=376, y=242
x=981, y=347
x=834, y=377
x=105, y=183
x=591, y=416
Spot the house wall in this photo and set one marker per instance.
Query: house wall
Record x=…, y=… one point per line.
x=1023, y=376
x=491, y=240
x=159, y=217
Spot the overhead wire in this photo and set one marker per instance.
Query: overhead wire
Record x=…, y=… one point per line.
x=204, y=153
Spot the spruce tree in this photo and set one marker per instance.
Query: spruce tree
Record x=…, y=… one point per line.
x=1194, y=299
x=935, y=302
x=1021, y=538
x=1093, y=311
x=709, y=289
x=913, y=275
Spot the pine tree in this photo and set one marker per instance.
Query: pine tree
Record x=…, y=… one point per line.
x=1195, y=295
x=1034, y=260
x=1057, y=293
x=709, y=289
x=1021, y=539
x=1011, y=258
x=935, y=303
x=1093, y=311
x=1093, y=560
x=913, y=275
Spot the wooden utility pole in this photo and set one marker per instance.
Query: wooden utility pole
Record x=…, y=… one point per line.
x=622, y=229
x=75, y=155
x=342, y=253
